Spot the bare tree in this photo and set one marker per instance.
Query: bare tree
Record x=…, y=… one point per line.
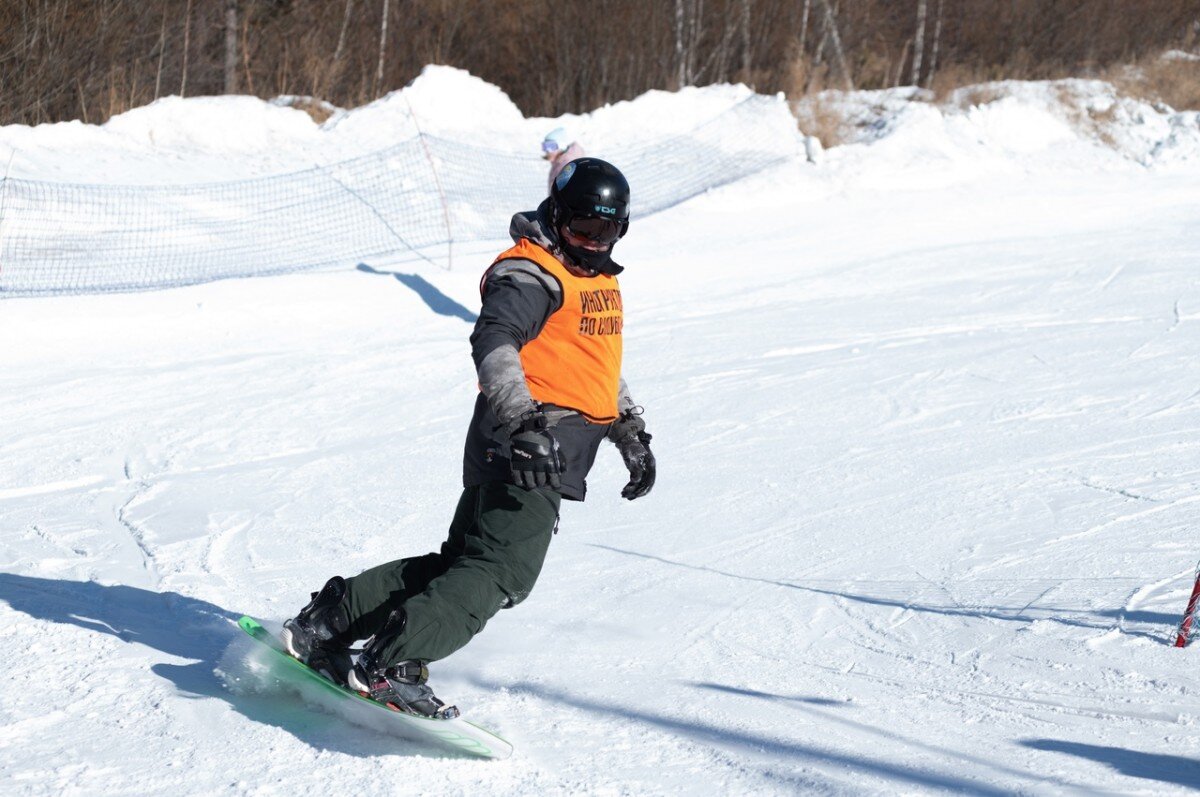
x=689, y=30
x=187, y=37
x=900, y=64
x=919, y=42
x=59, y=57
x=162, y=51
x=231, y=37
x=937, y=40
x=383, y=25
x=746, y=60
x=804, y=26
x=831, y=31
x=696, y=31
x=341, y=45
x=680, y=55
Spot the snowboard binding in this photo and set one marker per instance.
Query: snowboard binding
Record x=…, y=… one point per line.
x=316, y=636
x=401, y=686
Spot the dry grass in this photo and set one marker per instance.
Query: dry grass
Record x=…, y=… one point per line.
x=818, y=113
x=1162, y=81
x=318, y=110
x=1083, y=117
x=823, y=116
x=976, y=82
x=971, y=96
x=1172, y=81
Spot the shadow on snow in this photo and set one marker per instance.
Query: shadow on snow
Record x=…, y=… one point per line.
x=814, y=705
x=1017, y=614
x=185, y=628
x=437, y=301
x=1172, y=769
x=745, y=742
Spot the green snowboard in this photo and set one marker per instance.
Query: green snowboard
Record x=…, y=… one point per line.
x=456, y=733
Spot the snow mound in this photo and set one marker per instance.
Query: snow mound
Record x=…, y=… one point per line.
x=900, y=136
x=206, y=139
x=441, y=101
x=1098, y=114
x=650, y=116
x=233, y=125
x=1006, y=126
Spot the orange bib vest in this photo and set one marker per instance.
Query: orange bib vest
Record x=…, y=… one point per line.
x=575, y=361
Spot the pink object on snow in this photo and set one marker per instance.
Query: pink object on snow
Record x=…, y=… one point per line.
x=560, y=159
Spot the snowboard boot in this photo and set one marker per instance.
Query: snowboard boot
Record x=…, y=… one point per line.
x=401, y=686
x=316, y=636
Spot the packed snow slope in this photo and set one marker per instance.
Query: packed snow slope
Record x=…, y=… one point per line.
x=926, y=512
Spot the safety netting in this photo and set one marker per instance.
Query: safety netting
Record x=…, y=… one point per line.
x=425, y=198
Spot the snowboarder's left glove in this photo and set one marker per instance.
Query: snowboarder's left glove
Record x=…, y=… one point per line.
x=534, y=454
x=635, y=450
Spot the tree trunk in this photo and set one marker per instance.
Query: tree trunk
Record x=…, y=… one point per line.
x=903, y=60
x=804, y=26
x=246, y=54
x=383, y=25
x=187, y=37
x=341, y=45
x=836, y=40
x=937, y=40
x=819, y=53
x=694, y=35
x=919, y=42
x=746, y=61
x=231, y=37
x=680, y=63
x=162, y=51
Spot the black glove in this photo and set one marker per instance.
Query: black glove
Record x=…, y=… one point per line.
x=534, y=454
x=635, y=450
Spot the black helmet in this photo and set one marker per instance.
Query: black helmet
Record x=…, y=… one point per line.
x=591, y=198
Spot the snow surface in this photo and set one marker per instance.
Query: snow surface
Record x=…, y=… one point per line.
x=209, y=139
x=925, y=417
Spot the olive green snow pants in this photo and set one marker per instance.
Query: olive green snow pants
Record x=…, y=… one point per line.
x=490, y=561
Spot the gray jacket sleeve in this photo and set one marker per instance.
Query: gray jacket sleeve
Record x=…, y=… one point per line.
x=518, y=299
x=629, y=421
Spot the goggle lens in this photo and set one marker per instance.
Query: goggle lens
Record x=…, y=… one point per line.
x=601, y=231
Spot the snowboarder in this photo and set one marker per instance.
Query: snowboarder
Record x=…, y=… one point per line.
x=547, y=350
x=556, y=150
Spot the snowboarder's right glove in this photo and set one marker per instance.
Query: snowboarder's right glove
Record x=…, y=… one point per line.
x=534, y=454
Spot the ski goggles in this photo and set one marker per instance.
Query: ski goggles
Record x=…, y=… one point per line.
x=597, y=230
x=550, y=145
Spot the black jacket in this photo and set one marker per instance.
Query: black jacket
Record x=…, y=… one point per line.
x=518, y=299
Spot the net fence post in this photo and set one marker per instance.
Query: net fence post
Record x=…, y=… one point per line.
x=78, y=237
x=437, y=181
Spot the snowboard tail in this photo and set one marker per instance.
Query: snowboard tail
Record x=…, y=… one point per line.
x=456, y=733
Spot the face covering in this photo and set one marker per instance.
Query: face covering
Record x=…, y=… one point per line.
x=600, y=262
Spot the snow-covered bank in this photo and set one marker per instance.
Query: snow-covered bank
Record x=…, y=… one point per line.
x=206, y=139
x=994, y=128
x=1006, y=126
